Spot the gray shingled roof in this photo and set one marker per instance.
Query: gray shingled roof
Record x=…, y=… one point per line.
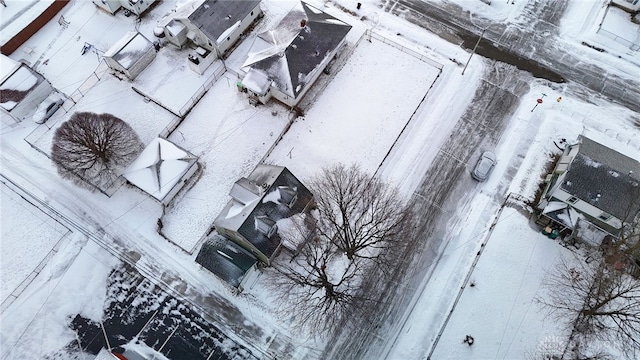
x=214, y=17
x=290, y=53
x=605, y=179
x=241, y=218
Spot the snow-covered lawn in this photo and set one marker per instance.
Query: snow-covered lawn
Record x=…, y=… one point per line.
x=229, y=136
x=23, y=226
x=360, y=114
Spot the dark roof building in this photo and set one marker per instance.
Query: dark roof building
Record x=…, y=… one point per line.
x=294, y=53
x=270, y=193
x=226, y=259
x=214, y=17
x=594, y=182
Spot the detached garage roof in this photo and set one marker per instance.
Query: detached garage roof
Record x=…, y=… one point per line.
x=159, y=168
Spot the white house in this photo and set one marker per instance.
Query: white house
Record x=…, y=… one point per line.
x=285, y=61
x=629, y=5
x=130, y=55
x=21, y=89
x=161, y=170
x=136, y=7
x=593, y=182
x=211, y=24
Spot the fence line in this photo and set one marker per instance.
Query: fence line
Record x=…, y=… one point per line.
x=617, y=38
x=404, y=49
x=217, y=74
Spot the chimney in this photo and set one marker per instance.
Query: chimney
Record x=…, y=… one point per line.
x=303, y=23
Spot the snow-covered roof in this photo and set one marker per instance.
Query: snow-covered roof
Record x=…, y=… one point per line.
x=241, y=217
x=256, y=81
x=604, y=178
x=159, y=167
x=7, y=67
x=216, y=18
x=129, y=49
x=290, y=53
x=17, y=82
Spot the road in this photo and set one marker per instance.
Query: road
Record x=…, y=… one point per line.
x=518, y=53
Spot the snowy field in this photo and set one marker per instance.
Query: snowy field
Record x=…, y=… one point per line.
x=28, y=228
x=369, y=111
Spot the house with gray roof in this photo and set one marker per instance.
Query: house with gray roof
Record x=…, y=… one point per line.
x=214, y=25
x=592, y=182
x=269, y=194
x=285, y=61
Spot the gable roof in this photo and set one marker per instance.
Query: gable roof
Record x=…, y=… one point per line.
x=215, y=17
x=248, y=215
x=290, y=53
x=605, y=179
x=129, y=49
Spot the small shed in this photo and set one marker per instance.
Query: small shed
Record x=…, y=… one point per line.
x=130, y=55
x=162, y=169
x=21, y=88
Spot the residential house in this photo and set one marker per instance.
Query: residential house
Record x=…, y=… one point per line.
x=21, y=89
x=162, y=169
x=136, y=7
x=269, y=194
x=130, y=55
x=285, y=62
x=628, y=5
x=592, y=182
x=212, y=25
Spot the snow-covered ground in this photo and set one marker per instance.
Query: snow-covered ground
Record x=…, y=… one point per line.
x=359, y=116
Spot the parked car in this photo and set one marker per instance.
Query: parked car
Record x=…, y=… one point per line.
x=484, y=166
x=48, y=107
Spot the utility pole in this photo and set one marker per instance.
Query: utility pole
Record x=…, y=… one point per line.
x=473, y=51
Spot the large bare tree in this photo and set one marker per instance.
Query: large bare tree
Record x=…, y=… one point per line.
x=596, y=301
x=318, y=284
x=358, y=228
x=359, y=213
x=92, y=149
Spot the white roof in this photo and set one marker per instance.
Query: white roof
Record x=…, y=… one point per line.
x=7, y=67
x=159, y=167
x=256, y=81
x=129, y=48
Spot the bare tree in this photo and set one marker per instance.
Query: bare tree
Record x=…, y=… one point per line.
x=596, y=302
x=359, y=213
x=358, y=229
x=318, y=284
x=92, y=149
